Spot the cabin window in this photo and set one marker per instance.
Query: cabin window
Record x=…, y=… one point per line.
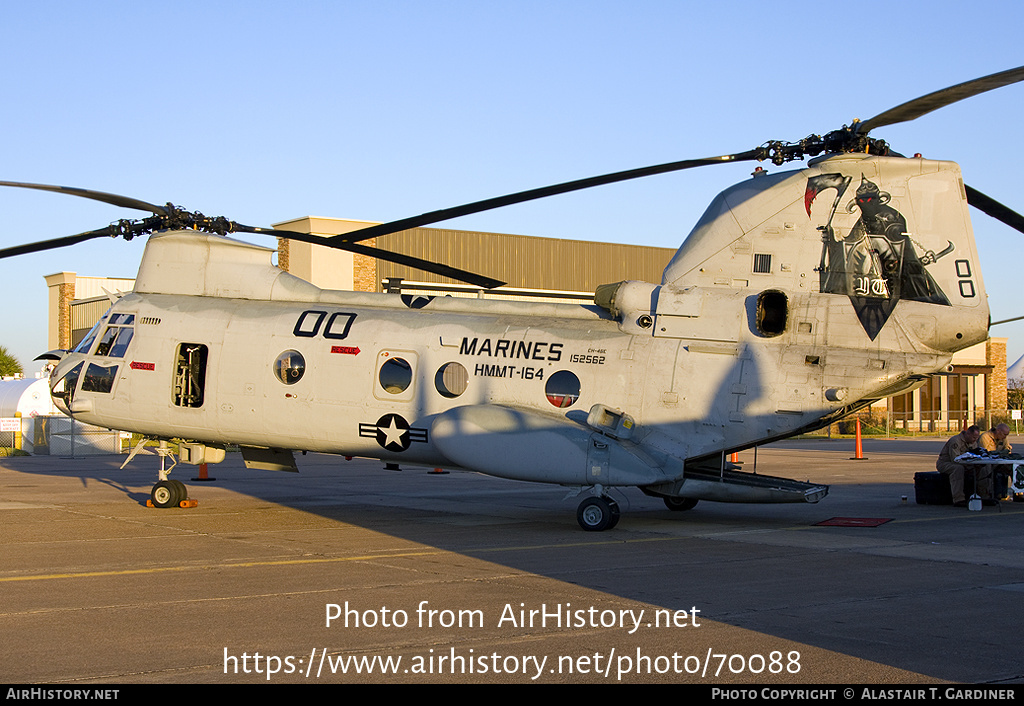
x=772, y=312
x=289, y=367
x=190, y=375
x=395, y=376
x=99, y=378
x=451, y=380
x=562, y=389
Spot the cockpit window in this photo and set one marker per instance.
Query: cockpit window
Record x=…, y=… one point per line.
x=86, y=343
x=108, y=340
x=124, y=337
x=99, y=378
x=63, y=391
x=118, y=335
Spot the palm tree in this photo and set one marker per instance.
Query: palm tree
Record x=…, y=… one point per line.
x=9, y=365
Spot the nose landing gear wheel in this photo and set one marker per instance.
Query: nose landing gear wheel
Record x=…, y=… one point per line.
x=597, y=514
x=168, y=493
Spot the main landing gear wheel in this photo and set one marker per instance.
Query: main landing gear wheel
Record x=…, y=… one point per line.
x=597, y=514
x=168, y=493
x=680, y=504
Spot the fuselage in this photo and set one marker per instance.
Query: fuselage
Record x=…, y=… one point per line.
x=754, y=334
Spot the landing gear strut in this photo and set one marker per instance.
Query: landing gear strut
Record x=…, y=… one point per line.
x=597, y=513
x=166, y=492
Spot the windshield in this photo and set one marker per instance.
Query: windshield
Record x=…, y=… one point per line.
x=86, y=343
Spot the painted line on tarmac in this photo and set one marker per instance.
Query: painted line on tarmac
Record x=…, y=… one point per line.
x=467, y=552
x=321, y=560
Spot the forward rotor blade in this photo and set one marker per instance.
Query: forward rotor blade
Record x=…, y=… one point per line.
x=532, y=194
x=397, y=258
x=987, y=204
x=1006, y=321
x=113, y=199
x=433, y=267
x=54, y=243
x=933, y=101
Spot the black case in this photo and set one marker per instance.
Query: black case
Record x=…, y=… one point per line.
x=932, y=488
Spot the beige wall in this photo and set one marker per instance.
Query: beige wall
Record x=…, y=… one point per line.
x=520, y=260
x=328, y=268
x=65, y=287
x=61, y=290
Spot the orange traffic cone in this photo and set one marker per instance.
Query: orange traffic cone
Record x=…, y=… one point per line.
x=859, y=446
x=202, y=474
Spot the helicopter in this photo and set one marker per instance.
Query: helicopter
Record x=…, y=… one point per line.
x=798, y=297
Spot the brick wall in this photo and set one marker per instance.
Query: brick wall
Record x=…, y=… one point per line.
x=65, y=295
x=364, y=270
x=995, y=389
x=282, y=253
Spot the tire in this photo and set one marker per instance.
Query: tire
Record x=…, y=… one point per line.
x=164, y=494
x=680, y=504
x=615, y=514
x=182, y=490
x=597, y=514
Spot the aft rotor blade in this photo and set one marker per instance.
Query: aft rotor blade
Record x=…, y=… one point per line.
x=397, y=258
x=532, y=194
x=113, y=199
x=987, y=204
x=933, y=101
x=54, y=243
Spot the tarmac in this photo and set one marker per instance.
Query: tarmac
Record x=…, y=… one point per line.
x=347, y=572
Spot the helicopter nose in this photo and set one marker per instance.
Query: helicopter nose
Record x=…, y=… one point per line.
x=64, y=380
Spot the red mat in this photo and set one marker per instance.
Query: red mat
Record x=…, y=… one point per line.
x=854, y=522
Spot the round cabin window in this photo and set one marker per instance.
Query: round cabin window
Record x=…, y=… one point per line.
x=451, y=380
x=395, y=376
x=289, y=367
x=562, y=389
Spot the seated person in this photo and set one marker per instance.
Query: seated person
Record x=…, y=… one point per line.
x=965, y=441
x=994, y=440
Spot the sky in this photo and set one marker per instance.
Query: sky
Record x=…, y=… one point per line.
x=377, y=110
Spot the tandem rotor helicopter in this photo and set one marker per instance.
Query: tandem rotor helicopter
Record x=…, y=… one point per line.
x=798, y=297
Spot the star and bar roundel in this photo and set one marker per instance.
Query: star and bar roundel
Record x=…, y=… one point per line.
x=393, y=432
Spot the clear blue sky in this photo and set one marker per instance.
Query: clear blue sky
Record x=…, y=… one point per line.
x=265, y=111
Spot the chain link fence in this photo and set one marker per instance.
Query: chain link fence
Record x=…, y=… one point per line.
x=57, y=435
x=882, y=422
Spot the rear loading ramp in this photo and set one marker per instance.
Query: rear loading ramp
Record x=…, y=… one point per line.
x=731, y=486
